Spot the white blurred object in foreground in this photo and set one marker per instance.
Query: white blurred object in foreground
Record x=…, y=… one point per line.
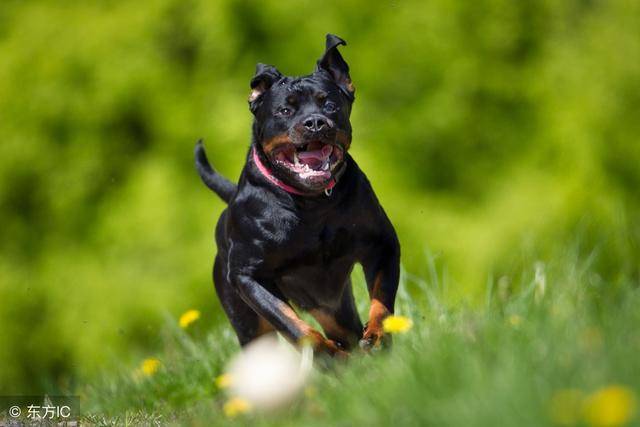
x=269, y=374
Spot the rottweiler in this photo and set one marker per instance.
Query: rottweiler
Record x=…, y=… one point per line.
x=301, y=216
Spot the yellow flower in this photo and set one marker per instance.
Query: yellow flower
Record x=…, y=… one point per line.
x=310, y=392
x=610, y=406
x=189, y=317
x=565, y=407
x=397, y=324
x=515, y=320
x=224, y=380
x=236, y=406
x=150, y=366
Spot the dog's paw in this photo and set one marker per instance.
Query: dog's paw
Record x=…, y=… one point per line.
x=334, y=349
x=325, y=347
x=374, y=338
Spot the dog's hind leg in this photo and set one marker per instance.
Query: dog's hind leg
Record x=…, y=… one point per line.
x=247, y=324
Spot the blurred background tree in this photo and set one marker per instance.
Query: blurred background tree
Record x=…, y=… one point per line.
x=493, y=131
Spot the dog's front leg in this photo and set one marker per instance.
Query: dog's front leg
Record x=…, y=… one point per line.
x=282, y=317
x=382, y=271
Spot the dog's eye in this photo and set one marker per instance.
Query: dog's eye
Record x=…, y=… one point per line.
x=285, y=111
x=330, y=107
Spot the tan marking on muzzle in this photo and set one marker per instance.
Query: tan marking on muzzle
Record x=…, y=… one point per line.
x=343, y=138
x=274, y=142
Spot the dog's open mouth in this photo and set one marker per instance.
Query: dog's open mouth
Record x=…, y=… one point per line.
x=313, y=161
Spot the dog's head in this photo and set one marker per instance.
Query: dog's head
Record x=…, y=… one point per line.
x=302, y=123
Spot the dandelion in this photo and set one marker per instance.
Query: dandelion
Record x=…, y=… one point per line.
x=610, y=406
x=150, y=366
x=236, y=406
x=397, y=324
x=223, y=381
x=565, y=407
x=515, y=320
x=188, y=318
x=310, y=392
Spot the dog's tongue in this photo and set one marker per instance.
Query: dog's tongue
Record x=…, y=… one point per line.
x=315, y=158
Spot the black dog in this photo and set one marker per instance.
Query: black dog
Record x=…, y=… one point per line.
x=301, y=216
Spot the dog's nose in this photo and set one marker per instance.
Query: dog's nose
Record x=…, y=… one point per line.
x=316, y=123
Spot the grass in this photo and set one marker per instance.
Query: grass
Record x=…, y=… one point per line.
x=531, y=355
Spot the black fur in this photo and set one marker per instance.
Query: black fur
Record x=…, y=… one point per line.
x=216, y=182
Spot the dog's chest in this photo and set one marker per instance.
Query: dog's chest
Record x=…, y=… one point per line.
x=320, y=245
x=317, y=266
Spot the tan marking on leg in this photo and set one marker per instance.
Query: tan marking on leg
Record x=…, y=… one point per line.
x=329, y=325
x=377, y=285
x=317, y=340
x=264, y=327
x=377, y=313
x=293, y=316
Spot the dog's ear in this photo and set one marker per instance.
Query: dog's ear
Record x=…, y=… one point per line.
x=265, y=76
x=333, y=63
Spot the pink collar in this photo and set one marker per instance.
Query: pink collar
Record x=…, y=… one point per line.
x=266, y=172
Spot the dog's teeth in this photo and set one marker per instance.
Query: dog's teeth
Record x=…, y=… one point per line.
x=326, y=166
x=295, y=159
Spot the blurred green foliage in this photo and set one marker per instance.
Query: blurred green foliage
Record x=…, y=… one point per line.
x=493, y=132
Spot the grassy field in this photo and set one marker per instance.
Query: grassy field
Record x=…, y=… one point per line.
x=554, y=345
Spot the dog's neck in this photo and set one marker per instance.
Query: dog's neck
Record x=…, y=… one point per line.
x=268, y=174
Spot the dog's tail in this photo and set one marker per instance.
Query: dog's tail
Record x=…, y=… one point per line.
x=220, y=185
